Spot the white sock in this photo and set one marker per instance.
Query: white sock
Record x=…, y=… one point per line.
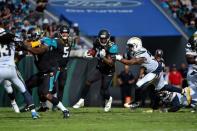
x=55, y=95
x=33, y=110
x=13, y=102
x=81, y=100
x=61, y=106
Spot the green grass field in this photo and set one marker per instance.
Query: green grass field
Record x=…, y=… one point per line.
x=94, y=119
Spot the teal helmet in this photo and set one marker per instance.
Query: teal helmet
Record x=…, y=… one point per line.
x=113, y=49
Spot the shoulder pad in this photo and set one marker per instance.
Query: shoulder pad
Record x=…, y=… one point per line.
x=113, y=49
x=141, y=51
x=49, y=42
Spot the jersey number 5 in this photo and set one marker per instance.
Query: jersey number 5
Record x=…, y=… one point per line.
x=5, y=50
x=66, y=52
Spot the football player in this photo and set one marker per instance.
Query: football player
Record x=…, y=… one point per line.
x=45, y=61
x=104, y=50
x=177, y=101
x=191, y=57
x=8, y=70
x=65, y=43
x=153, y=69
x=159, y=57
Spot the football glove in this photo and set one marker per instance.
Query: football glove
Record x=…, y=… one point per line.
x=119, y=57
x=102, y=53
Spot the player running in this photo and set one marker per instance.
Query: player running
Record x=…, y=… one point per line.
x=104, y=50
x=154, y=72
x=45, y=60
x=8, y=68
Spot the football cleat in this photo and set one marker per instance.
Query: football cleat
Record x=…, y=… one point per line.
x=43, y=109
x=15, y=107
x=24, y=109
x=35, y=115
x=187, y=94
x=79, y=104
x=66, y=114
x=134, y=105
x=108, y=104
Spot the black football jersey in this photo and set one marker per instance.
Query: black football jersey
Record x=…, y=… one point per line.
x=101, y=65
x=63, y=52
x=47, y=62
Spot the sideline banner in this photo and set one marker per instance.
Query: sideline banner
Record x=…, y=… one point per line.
x=121, y=17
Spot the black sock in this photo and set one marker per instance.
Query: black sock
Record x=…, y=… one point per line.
x=28, y=98
x=85, y=91
x=11, y=96
x=54, y=101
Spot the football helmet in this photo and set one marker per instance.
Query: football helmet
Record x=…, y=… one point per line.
x=193, y=41
x=159, y=52
x=33, y=34
x=134, y=43
x=64, y=32
x=103, y=37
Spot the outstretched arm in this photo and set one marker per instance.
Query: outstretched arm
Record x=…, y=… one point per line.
x=132, y=61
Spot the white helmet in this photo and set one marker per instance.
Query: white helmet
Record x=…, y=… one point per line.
x=135, y=43
x=2, y=31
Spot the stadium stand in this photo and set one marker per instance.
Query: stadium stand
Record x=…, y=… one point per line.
x=184, y=11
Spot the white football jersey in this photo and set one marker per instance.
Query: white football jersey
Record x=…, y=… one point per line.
x=7, y=53
x=183, y=99
x=192, y=76
x=150, y=64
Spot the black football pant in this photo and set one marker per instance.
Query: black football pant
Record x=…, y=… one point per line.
x=106, y=81
x=60, y=82
x=45, y=84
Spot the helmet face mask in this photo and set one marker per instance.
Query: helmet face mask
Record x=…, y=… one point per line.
x=33, y=35
x=64, y=35
x=130, y=47
x=64, y=32
x=159, y=53
x=103, y=41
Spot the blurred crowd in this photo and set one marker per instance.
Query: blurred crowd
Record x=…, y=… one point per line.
x=19, y=16
x=184, y=10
